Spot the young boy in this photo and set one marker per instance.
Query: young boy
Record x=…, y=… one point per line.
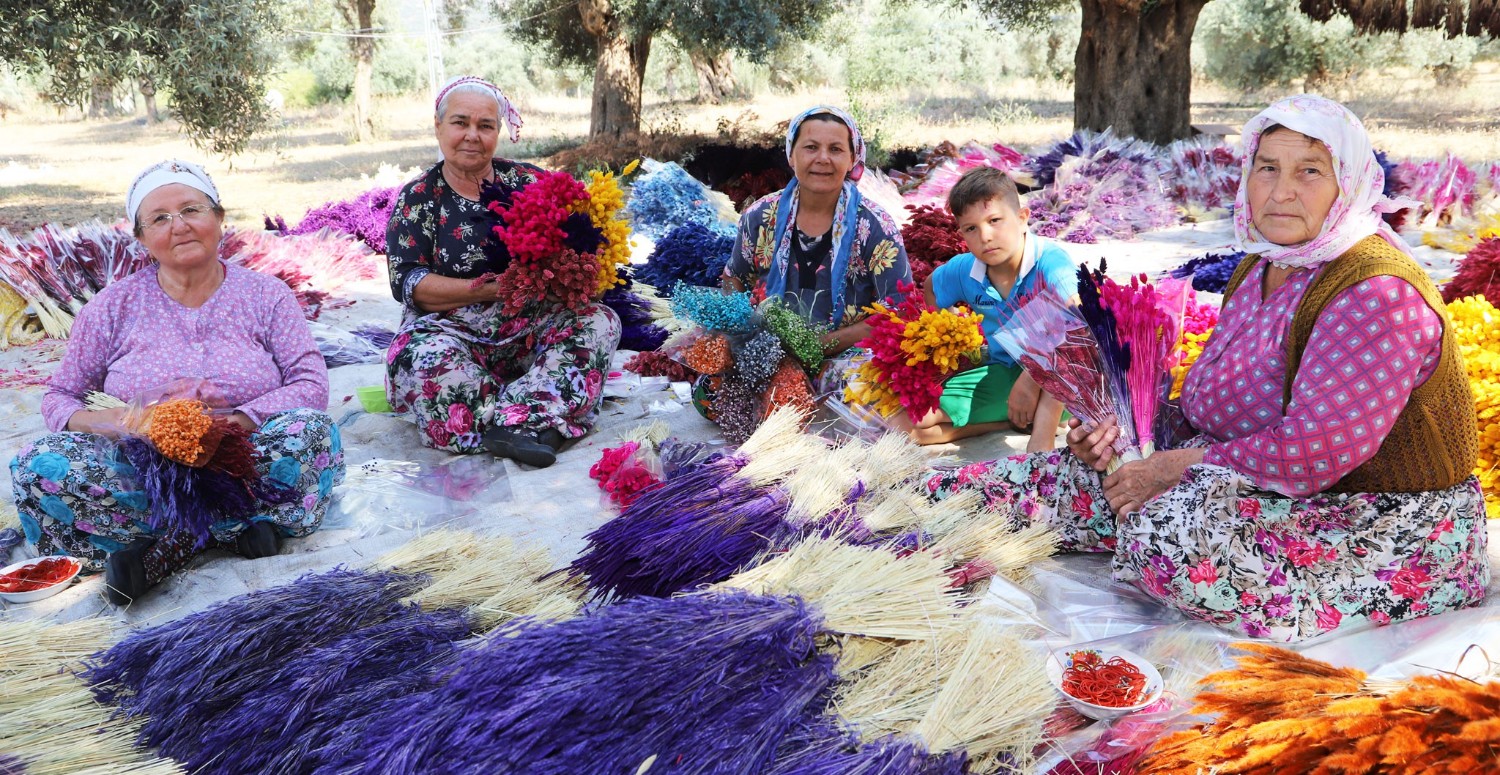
x=1005, y=264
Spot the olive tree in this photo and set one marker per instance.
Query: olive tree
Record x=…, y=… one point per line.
x=1133, y=69
x=213, y=57
x=615, y=37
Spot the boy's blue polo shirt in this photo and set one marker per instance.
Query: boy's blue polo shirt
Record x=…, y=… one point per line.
x=965, y=279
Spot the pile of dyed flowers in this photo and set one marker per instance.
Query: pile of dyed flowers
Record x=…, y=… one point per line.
x=1096, y=186
x=55, y=270
x=664, y=197
x=364, y=217
x=746, y=361
x=1479, y=272
x=1198, y=323
x=931, y=238
x=1204, y=177
x=565, y=238
x=1476, y=325
x=913, y=348
x=624, y=472
x=1210, y=272
x=693, y=253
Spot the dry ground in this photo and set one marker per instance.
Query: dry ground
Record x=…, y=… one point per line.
x=60, y=168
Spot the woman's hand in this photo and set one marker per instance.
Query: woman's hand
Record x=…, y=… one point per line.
x=109, y=423
x=1137, y=482
x=1093, y=445
x=243, y=420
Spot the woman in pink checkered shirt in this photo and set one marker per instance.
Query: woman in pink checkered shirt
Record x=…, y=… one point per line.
x=1253, y=524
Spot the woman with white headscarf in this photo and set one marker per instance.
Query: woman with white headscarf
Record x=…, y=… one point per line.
x=1330, y=482
x=475, y=379
x=819, y=244
x=238, y=335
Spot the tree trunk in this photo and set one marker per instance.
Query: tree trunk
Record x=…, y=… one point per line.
x=1133, y=71
x=101, y=98
x=715, y=75
x=363, y=49
x=148, y=97
x=619, y=71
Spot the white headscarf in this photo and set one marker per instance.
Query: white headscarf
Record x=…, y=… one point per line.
x=1356, y=213
x=163, y=174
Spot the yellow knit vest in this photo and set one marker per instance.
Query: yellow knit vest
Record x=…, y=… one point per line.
x=1432, y=445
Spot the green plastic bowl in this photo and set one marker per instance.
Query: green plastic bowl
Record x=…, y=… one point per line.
x=373, y=398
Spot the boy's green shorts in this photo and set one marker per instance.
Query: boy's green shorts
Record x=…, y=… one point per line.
x=979, y=395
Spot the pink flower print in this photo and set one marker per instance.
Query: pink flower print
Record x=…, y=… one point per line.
x=296, y=428
x=397, y=345
x=1328, y=617
x=1380, y=617
x=514, y=414
x=1249, y=600
x=1277, y=577
x=1249, y=508
x=1254, y=628
x=460, y=419
x=95, y=491
x=84, y=526
x=49, y=486
x=430, y=389
x=438, y=433
x=1444, y=526
x=1302, y=553
x=972, y=472
x=1410, y=582
x=1155, y=581
x=1083, y=504
x=595, y=384
x=309, y=501
x=321, y=461
x=1203, y=572
x=120, y=519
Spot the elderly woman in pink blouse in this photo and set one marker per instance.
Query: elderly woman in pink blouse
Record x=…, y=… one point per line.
x=1330, y=482
x=190, y=316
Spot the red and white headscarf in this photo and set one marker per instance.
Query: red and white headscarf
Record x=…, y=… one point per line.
x=1357, y=212
x=508, y=111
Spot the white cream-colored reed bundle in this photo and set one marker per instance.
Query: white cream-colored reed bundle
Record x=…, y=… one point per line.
x=492, y=576
x=869, y=591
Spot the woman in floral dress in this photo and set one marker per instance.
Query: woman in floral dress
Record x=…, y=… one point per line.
x=1330, y=481
x=819, y=244
x=474, y=378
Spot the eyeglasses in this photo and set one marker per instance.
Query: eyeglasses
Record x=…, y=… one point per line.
x=192, y=215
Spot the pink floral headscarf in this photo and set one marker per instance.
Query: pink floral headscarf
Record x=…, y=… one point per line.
x=508, y=111
x=1357, y=212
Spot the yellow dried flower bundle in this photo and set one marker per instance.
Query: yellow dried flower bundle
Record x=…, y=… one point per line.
x=1476, y=326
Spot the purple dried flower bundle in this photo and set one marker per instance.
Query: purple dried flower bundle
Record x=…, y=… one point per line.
x=693, y=253
x=1210, y=271
x=307, y=713
x=183, y=497
x=639, y=330
x=184, y=676
x=820, y=746
x=365, y=217
x=704, y=683
x=699, y=527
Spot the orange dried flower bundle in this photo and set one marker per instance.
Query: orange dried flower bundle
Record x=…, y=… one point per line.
x=177, y=428
x=1281, y=712
x=709, y=355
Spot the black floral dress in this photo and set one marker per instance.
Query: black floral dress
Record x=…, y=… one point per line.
x=464, y=371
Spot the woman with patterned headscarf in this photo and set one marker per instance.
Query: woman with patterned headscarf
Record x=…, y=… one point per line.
x=476, y=379
x=819, y=244
x=1330, y=482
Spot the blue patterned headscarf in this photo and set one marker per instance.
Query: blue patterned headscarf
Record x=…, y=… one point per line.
x=845, y=214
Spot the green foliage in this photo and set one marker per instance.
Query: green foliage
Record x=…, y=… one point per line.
x=211, y=57
x=1253, y=44
x=1021, y=14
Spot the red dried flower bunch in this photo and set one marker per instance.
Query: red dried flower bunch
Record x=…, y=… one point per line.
x=931, y=238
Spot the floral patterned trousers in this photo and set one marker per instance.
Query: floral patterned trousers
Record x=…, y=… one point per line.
x=75, y=494
x=1256, y=562
x=475, y=368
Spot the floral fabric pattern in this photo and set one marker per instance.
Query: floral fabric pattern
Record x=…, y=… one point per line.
x=475, y=368
x=462, y=372
x=76, y=495
x=877, y=262
x=1258, y=563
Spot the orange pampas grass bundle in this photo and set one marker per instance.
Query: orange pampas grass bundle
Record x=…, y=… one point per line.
x=1281, y=712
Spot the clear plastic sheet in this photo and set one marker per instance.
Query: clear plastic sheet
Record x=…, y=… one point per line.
x=383, y=495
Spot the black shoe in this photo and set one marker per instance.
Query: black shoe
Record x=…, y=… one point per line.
x=261, y=539
x=125, y=573
x=553, y=438
x=519, y=445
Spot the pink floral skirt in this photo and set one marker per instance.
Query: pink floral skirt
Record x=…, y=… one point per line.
x=1256, y=562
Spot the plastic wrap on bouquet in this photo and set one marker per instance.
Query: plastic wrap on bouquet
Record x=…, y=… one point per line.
x=1146, y=317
